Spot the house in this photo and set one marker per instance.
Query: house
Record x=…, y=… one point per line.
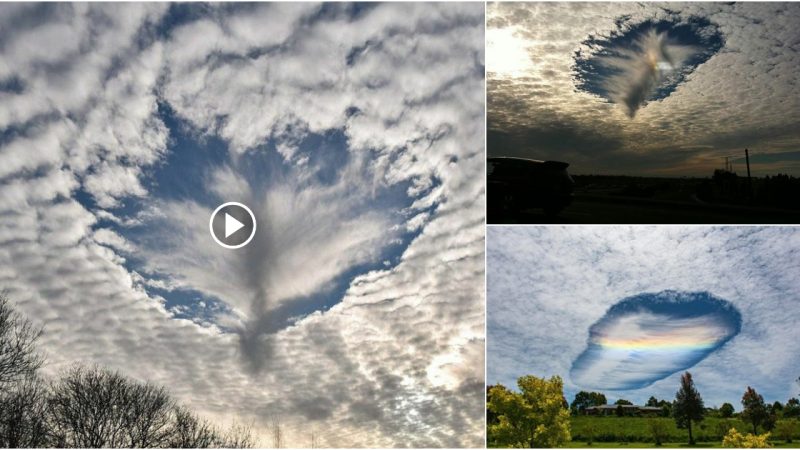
x=627, y=410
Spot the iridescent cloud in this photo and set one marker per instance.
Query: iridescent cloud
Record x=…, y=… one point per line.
x=647, y=337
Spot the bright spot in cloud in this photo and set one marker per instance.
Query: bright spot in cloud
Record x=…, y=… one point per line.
x=506, y=54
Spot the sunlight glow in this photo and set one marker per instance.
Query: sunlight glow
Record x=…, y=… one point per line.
x=506, y=54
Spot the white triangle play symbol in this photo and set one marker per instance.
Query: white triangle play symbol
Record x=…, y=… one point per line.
x=232, y=225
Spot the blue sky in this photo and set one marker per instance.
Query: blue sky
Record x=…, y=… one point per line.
x=355, y=134
x=553, y=292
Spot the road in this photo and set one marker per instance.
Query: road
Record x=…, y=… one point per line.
x=596, y=210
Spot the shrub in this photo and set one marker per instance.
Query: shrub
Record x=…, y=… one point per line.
x=734, y=439
x=659, y=431
x=786, y=429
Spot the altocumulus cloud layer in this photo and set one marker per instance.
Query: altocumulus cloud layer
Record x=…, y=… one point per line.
x=624, y=310
x=647, y=337
x=647, y=88
x=353, y=131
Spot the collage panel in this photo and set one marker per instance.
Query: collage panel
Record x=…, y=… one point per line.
x=643, y=113
x=643, y=336
x=242, y=225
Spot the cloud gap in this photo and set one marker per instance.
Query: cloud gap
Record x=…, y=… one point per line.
x=639, y=63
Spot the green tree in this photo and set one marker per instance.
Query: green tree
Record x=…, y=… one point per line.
x=754, y=410
x=652, y=401
x=584, y=399
x=726, y=410
x=786, y=429
x=688, y=405
x=792, y=408
x=622, y=401
x=535, y=417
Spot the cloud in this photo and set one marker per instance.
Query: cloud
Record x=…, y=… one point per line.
x=589, y=74
x=547, y=287
x=645, y=338
x=355, y=131
x=642, y=69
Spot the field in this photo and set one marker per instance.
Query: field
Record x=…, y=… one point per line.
x=634, y=432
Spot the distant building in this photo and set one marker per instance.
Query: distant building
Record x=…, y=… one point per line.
x=627, y=410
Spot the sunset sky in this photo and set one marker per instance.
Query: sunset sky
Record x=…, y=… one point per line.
x=659, y=89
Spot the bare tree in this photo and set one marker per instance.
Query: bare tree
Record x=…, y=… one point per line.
x=22, y=415
x=94, y=407
x=237, y=436
x=18, y=356
x=189, y=431
x=276, y=430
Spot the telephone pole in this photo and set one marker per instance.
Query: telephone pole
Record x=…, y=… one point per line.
x=749, y=180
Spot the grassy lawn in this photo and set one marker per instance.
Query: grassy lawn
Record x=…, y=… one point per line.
x=634, y=432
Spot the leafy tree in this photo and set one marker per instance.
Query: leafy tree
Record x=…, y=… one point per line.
x=584, y=399
x=726, y=410
x=792, y=408
x=786, y=429
x=688, y=405
x=652, y=401
x=754, y=410
x=777, y=407
x=18, y=356
x=622, y=401
x=620, y=410
x=535, y=417
x=734, y=439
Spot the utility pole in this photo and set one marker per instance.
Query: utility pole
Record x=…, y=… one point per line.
x=749, y=180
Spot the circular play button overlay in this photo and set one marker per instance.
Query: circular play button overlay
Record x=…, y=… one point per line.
x=232, y=225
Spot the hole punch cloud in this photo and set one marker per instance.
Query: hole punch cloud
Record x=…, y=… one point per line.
x=644, y=62
x=648, y=337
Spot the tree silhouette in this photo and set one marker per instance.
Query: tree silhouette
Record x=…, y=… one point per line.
x=18, y=356
x=688, y=405
x=90, y=407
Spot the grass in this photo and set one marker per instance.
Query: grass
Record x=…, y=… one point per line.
x=634, y=432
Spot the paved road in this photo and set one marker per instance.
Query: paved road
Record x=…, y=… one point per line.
x=598, y=211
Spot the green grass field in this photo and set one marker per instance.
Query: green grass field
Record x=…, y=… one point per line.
x=634, y=432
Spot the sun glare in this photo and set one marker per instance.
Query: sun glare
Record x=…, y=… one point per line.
x=506, y=54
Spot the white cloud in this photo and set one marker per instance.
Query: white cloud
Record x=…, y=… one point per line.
x=548, y=285
x=398, y=361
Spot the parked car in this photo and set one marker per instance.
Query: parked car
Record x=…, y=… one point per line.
x=515, y=184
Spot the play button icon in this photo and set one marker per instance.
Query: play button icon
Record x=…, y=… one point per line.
x=232, y=225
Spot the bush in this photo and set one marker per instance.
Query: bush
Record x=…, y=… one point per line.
x=734, y=439
x=786, y=429
x=659, y=431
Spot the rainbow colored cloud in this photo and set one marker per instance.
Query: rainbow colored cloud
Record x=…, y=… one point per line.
x=647, y=337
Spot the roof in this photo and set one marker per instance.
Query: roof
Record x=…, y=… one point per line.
x=643, y=408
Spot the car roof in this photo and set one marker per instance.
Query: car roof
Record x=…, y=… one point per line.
x=529, y=162
x=513, y=158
